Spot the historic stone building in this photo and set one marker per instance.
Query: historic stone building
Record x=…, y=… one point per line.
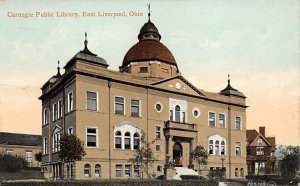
x=26, y=145
x=110, y=110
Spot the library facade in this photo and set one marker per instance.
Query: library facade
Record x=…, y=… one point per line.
x=111, y=110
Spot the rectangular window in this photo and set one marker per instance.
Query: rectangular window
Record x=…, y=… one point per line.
x=171, y=115
x=55, y=112
x=127, y=141
x=118, y=170
x=238, y=123
x=91, y=101
x=128, y=170
x=221, y=120
x=70, y=101
x=91, y=137
x=60, y=108
x=211, y=119
x=183, y=117
x=45, y=146
x=158, y=133
x=137, y=170
x=157, y=148
x=28, y=156
x=135, y=108
x=70, y=130
x=222, y=149
x=260, y=151
x=9, y=151
x=45, y=117
x=143, y=69
x=56, y=142
x=238, y=149
x=119, y=105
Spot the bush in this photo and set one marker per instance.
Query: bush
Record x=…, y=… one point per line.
x=192, y=177
x=12, y=163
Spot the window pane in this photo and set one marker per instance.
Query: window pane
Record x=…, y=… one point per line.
x=91, y=130
x=91, y=104
x=92, y=95
x=212, y=119
x=119, y=100
x=118, y=143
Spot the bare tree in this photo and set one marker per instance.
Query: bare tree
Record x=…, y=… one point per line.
x=143, y=156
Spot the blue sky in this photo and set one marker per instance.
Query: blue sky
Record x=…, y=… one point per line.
x=255, y=41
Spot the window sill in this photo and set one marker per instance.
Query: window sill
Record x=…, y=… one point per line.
x=89, y=110
x=119, y=114
x=47, y=124
x=135, y=116
x=92, y=147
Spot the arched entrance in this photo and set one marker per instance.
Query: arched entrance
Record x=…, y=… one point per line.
x=177, y=154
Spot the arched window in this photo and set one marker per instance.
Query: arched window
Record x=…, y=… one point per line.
x=222, y=148
x=87, y=170
x=177, y=113
x=127, y=140
x=136, y=141
x=211, y=147
x=242, y=172
x=97, y=170
x=217, y=147
x=159, y=169
x=236, y=173
x=118, y=140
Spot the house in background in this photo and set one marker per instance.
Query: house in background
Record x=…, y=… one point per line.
x=23, y=145
x=260, y=152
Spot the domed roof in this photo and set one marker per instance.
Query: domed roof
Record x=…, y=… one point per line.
x=146, y=50
x=149, y=28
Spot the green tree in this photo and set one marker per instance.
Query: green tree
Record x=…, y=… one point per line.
x=143, y=156
x=12, y=163
x=290, y=165
x=71, y=149
x=38, y=157
x=200, y=155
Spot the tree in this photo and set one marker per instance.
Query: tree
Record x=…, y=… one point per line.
x=71, y=149
x=12, y=163
x=143, y=156
x=38, y=157
x=200, y=155
x=290, y=165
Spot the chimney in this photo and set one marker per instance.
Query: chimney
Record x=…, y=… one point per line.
x=262, y=131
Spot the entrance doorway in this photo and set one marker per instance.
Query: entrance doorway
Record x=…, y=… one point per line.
x=177, y=154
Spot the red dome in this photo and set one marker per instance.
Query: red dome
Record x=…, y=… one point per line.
x=147, y=50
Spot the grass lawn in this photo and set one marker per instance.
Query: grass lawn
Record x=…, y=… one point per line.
x=25, y=174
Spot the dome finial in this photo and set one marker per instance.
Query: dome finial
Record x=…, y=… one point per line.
x=85, y=41
x=58, y=69
x=228, y=79
x=149, y=14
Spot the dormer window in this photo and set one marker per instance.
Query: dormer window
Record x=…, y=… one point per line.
x=143, y=69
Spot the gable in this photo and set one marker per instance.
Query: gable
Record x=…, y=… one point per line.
x=178, y=84
x=260, y=141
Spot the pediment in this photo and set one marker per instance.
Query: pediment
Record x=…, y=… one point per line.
x=260, y=141
x=178, y=84
x=57, y=129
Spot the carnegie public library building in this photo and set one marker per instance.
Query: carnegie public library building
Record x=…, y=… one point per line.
x=110, y=110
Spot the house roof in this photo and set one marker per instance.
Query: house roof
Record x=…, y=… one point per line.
x=252, y=135
x=272, y=141
x=20, y=139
